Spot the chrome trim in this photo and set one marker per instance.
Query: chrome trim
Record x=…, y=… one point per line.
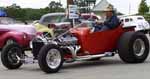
x=87, y=57
x=53, y=58
x=74, y=50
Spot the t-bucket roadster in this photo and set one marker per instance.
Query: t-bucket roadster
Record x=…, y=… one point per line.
x=82, y=43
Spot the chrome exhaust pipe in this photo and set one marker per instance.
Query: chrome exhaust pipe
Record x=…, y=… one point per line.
x=87, y=57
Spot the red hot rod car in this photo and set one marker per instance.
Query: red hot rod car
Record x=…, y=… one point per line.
x=82, y=43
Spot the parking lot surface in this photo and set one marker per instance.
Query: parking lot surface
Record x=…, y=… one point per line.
x=106, y=68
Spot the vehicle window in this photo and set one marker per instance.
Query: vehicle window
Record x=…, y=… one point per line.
x=140, y=18
x=131, y=19
x=52, y=19
x=64, y=19
x=126, y=20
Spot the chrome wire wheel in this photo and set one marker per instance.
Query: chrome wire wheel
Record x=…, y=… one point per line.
x=139, y=47
x=53, y=58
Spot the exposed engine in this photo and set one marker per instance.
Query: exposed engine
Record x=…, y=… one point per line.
x=68, y=39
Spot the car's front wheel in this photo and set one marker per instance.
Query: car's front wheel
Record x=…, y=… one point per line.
x=50, y=58
x=11, y=56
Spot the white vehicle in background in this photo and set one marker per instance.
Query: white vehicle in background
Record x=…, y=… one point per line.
x=138, y=21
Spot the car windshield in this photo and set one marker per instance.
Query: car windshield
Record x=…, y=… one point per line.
x=54, y=19
x=6, y=20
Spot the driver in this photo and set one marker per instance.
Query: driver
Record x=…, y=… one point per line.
x=111, y=20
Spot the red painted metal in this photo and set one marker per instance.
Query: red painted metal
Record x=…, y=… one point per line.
x=16, y=36
x=98, y=42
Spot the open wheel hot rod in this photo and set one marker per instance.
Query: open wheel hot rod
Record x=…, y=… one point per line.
x=82, y=43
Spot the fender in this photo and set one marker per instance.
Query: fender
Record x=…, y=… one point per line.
x=20, y=37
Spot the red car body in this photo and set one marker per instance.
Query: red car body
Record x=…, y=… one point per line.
x=21, y=38
x=98, y=42
x=10, y=31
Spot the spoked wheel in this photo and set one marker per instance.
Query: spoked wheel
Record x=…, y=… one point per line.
x=11, y=56
x=133, y=47
x=50, y=58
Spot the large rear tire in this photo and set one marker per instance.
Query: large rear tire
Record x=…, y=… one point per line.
x=50, y=58
x=11, y=55
x=133, y=47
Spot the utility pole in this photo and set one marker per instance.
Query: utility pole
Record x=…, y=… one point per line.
x=69, y=2
x=129, y=8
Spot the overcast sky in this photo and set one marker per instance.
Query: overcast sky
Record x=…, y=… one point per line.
x=121, y=5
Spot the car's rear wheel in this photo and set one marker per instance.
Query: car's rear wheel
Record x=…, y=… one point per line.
x=50, y=58
x=11, y=56
x=133, y=47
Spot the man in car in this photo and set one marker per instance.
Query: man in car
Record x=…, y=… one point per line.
x=111, y=20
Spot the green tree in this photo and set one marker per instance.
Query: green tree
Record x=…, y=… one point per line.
x=143, y=8
x=23, y=14
x=16, y=12
x=14, y=6
x=55, y=6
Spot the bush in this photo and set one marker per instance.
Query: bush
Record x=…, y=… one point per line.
x=147, y=17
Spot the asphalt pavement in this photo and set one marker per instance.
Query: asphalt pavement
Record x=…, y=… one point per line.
x=106, y=68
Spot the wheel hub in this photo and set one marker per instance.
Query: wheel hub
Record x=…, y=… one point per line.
x=14, y=55
x=139, y=47
x=53, y=58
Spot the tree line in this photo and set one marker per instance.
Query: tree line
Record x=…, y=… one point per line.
x=23, y=14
